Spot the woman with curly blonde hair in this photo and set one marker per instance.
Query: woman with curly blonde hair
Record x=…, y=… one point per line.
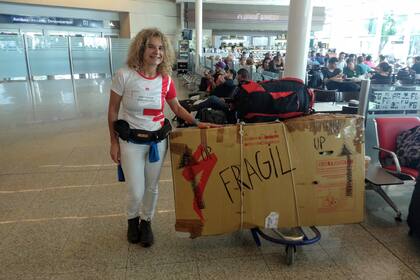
x=139, y=137
x=137, y=49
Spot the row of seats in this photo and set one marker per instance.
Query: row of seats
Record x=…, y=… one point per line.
x=324, y=95
x=191, y=80
x=378, y=176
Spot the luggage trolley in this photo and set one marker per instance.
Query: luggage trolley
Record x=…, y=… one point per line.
x=291, y=242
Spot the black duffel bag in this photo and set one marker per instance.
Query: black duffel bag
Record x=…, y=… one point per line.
x=274, y=99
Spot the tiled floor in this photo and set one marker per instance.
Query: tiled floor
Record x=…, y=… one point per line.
x=62, y=211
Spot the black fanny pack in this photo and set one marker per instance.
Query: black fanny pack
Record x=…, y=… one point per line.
x=141, y=136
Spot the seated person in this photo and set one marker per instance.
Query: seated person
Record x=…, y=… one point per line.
x=331, y=72
x=218, y=103
x=242, y=62
x=369, y=62
x=352, y=56
x=220, y=66
x=265, y=66
x=383, y=74
x=416, y=67
x=333, y=78
x=242, y=76
x=268, y=56
x=250, y=66
x=276, y=65
x=320, y=59
x=229, y=61
x=315, y=77
x=341, y=63
x=224, y=89
x=362, y=68
x=349, y=71
x=382, y=58
x=206, y=83
x=224, y=84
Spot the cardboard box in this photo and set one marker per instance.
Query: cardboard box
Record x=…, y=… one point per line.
x=302, y=172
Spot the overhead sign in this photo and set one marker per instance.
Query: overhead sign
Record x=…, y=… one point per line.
x=258, y=17
x=51, y=21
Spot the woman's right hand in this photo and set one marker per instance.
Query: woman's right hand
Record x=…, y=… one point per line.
x=115, y=152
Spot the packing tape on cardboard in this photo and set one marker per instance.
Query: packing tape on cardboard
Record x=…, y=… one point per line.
x=203, y=137
x=293, y=177
x=220, y=133
x=241, y=135
x=238, y=135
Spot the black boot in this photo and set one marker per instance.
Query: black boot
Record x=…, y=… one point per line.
x=146, y=234
x=133, y=233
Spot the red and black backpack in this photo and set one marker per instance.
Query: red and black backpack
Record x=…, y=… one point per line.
x=273, y=99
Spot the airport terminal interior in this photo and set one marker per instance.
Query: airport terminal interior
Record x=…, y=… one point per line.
x=62, y=208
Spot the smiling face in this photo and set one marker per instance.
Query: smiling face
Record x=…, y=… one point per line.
x=153, y=52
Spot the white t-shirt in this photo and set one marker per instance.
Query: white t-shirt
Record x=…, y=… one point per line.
x=341, y=65
x=143, y=98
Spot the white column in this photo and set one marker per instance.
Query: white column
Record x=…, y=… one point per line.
x=182, y=16
x=298, y=32
x=198, y=33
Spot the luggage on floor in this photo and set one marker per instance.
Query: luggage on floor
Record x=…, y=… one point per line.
x=272, y=100
x=413, y=218
x=212, y=116
x=187, y=104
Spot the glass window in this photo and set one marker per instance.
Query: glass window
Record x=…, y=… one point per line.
x=90, y=55
x=392, y=34
x=119, y=52
x=48, y=55
x=12, y=54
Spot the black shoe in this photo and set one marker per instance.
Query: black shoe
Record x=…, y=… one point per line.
x=146, y=234
x=133, y=232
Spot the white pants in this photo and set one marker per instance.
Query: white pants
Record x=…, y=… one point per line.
x=141, y=177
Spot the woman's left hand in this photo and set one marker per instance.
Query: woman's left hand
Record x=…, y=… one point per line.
x=208, y=125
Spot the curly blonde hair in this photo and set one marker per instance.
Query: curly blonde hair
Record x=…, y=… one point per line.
x=138, y=46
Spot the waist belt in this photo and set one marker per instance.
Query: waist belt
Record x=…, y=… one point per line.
x=141, y=136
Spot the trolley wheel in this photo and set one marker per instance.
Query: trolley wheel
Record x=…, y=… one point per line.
x=290, y=254
x=398, y=217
